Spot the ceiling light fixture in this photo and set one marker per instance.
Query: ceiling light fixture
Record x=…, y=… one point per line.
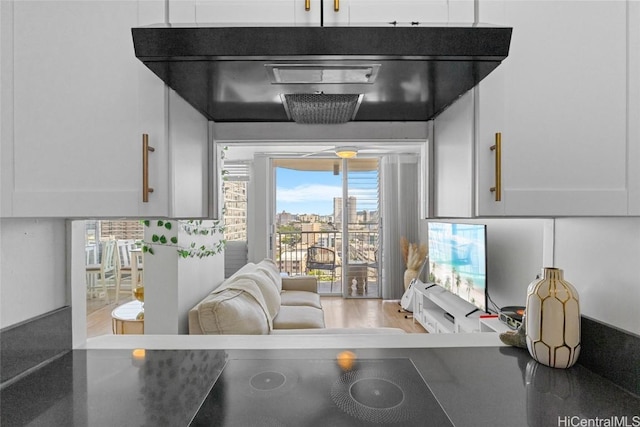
x=346, y=152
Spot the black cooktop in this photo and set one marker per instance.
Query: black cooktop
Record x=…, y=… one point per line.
x=341, y=392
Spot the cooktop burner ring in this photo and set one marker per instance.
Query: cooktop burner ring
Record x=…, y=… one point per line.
x=267, y=381
x=377, y=396
x=376, y=393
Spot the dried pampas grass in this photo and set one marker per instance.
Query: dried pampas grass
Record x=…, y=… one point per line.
x=413, y=254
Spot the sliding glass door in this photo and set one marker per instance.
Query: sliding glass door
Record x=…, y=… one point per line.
x=327, y=223
x=361, y=228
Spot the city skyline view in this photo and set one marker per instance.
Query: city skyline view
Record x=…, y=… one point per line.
x=313, y=192
x=306, y=192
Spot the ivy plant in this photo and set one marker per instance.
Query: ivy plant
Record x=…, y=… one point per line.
x=191, y=228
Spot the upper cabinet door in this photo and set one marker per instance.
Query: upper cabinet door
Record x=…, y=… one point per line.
x=399, y=13
x=246, y=12
x=559, y=102
x=563, y=103
x=634, y=107
x=336, y=13
x=77, y=121
x=75, y=106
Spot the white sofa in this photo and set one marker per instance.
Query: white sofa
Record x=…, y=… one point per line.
x=258, y=300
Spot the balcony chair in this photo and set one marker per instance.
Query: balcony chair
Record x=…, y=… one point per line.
x=321, y=258
x=106, y=270
x=125, y=258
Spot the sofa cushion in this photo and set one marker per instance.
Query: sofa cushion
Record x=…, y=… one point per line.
x=298, y=317
x=263, y=281
x=232, y=311
x=300, y=283
x=248, y=267
x=305, y=298
x=271, y=269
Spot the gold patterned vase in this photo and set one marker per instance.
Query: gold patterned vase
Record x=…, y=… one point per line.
x=553, y=320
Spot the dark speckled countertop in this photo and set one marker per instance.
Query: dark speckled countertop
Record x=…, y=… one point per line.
x=476, y=386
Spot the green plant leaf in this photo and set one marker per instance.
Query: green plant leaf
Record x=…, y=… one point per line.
x=183, y=253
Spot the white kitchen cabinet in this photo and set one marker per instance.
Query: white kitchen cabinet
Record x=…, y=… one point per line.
x=316, y=12
x=80, y=103
x=400, y=13
x=560, y=103
x=246, y=12
x=634, y=106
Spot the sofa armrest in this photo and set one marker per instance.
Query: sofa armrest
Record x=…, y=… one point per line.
x=300, y=283
x=194, y=322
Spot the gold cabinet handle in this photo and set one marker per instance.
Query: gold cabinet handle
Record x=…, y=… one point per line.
x=145, y=168
x=307, y=5
x=498, y=149
x=336, y=5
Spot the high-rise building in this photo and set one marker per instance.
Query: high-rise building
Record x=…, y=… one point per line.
x=309, y=217
x=284, y=218
x=235, y=210
x=310, y=232
x=118, y=229
x=337, y=211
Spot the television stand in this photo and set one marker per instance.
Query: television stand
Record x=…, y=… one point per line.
x=440, y=311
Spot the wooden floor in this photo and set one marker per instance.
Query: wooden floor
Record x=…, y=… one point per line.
x=366, y=313
x=338, y=313
x=99, y=315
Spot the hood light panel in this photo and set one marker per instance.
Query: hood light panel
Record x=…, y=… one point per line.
x=322, y=73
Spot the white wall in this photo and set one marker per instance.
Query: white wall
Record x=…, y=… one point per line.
x=33, y=277
x=260, y=209
x=173, y=285
x=601, y=258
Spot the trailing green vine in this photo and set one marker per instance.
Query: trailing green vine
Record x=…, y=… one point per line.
x=191, y=228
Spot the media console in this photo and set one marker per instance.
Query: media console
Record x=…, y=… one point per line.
x=440, y=311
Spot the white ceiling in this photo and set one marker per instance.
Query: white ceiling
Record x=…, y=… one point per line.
x=246, y=140
x=246, y=151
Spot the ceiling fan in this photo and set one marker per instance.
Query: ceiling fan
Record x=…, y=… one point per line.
x=337, y=151
x=344, y=152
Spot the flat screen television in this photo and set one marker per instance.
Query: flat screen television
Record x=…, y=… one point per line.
x=458, y=260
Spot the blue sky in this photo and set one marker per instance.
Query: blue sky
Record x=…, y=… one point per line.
x=301, y=192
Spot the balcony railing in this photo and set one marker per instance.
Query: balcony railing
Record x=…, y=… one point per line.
x=292, y=252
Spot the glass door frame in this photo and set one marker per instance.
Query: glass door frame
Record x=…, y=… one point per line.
x=346, y=286
x=343, y=231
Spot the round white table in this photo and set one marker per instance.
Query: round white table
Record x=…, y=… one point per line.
x=124, y=318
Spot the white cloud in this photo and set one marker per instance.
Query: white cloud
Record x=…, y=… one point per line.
x=309, y=193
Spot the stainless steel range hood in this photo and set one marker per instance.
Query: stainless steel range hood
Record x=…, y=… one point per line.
x=321, y=74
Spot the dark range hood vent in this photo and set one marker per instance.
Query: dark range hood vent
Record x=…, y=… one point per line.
x=239, y=74
x=320, y=108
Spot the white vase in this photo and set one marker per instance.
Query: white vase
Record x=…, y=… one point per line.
x=553, y=320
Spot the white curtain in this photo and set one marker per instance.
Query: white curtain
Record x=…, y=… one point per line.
x=400, y=217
